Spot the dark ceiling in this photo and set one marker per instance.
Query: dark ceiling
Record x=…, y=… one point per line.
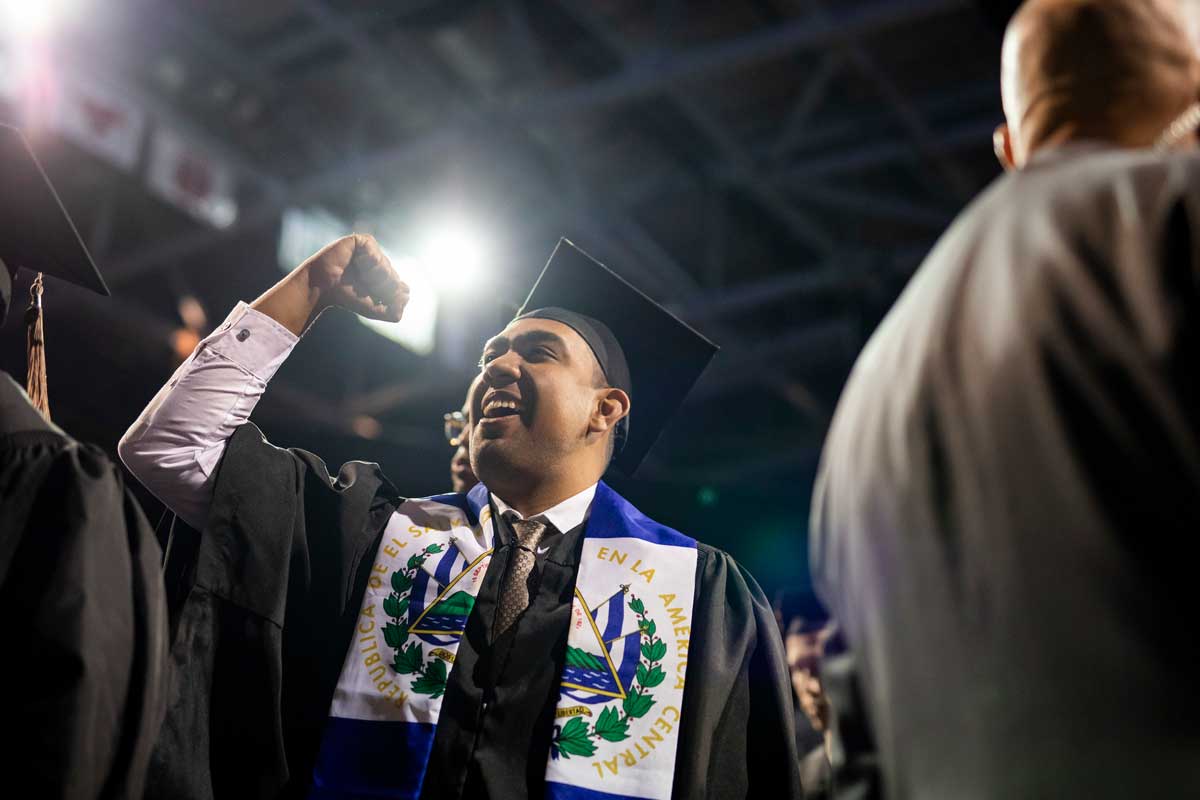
x=773, y=170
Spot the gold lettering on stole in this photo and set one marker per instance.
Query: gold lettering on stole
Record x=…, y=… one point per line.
x=572, y=711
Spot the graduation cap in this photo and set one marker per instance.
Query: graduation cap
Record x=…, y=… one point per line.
x=37, y=234
x=643, y=349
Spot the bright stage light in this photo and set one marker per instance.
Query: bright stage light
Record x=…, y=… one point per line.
x=32, y=18
x=455, y=256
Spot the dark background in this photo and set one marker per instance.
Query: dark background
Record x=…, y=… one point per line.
x=772, y=170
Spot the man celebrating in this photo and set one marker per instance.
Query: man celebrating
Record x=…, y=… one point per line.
x=537, y=637
x=1015, y=461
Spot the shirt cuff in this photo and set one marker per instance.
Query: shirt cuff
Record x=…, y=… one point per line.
x=253, y=341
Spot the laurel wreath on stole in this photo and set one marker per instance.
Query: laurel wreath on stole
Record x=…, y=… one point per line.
x=575, y=738
x=410, y=658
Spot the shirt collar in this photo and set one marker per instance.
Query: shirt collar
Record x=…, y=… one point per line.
x=564, y=517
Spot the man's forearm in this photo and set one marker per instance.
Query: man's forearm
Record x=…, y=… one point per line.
x=352, y=273
x=176, y=443
x=293, y=302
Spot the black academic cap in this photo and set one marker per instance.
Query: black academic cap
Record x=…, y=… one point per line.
x=664, y=355
x=36, y=232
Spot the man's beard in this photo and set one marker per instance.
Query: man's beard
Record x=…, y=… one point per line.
x=505, y=463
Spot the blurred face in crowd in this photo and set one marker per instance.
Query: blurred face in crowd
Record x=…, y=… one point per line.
x=804, y=649
x=544, y=408
x=6, y=285
x=462, y=477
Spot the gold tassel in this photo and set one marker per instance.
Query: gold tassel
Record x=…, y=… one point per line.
x=35, y=343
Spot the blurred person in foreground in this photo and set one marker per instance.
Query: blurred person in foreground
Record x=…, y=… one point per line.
x=535, y=637
x=82, y=609
x=1011, y=477
x=458, y=434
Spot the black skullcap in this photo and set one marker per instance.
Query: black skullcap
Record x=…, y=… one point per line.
x=603, y=342
x=642, y=348
x=36, y=233
x=605, y=348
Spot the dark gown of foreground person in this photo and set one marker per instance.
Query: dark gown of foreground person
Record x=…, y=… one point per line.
x=82, y=614
x=1010, y=492
x=82, y=607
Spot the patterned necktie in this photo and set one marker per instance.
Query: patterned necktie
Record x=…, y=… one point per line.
x=514, y=593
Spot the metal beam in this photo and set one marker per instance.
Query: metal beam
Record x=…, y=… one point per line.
x=306, y=42
x=869, y=202
x=382, y=67
x=522, y=40
x=628, y=84
x=911, y=120
x=974, y=133
x=803, y=227
x=969, y=102
x=742, y=298
x=815, y=90
x=840, y=273
x=643, y=79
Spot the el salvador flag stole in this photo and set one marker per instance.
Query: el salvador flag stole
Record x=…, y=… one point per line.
x=621, y=694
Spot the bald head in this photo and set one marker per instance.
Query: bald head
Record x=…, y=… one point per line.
x=1111, y=70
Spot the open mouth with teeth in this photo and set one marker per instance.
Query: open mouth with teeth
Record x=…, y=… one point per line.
x=500, y=407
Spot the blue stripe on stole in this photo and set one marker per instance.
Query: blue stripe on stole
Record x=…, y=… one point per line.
x=563, y=791
x=370, y=759
x=442, y=573
x=461, y=502
x=616, y=616
x=420, y=584
x=614, y=517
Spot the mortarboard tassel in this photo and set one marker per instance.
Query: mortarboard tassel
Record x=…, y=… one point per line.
x=35, y=342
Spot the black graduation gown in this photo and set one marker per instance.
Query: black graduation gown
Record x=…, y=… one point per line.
x=280, y=573
x=1010, y=492
x=82, y=613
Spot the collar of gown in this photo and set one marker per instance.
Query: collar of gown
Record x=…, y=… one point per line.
x=1077, y=147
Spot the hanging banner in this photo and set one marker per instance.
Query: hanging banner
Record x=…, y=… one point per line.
x=10, y=86
x=101, y=121
x=188, y=177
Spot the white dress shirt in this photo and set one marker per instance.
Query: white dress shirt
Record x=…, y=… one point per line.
x=562, y=517
x=177, y=441
x=174, y=446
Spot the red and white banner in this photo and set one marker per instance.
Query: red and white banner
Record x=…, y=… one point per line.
x=101, y=121
x=10, y=84
x=185, y=175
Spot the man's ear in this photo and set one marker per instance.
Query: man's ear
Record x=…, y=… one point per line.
x=1003, y=146
x=611, y=407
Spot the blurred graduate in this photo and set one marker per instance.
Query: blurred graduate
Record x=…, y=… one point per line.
x=82, y=607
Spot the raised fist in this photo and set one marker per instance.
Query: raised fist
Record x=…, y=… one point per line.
x=353, y=273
